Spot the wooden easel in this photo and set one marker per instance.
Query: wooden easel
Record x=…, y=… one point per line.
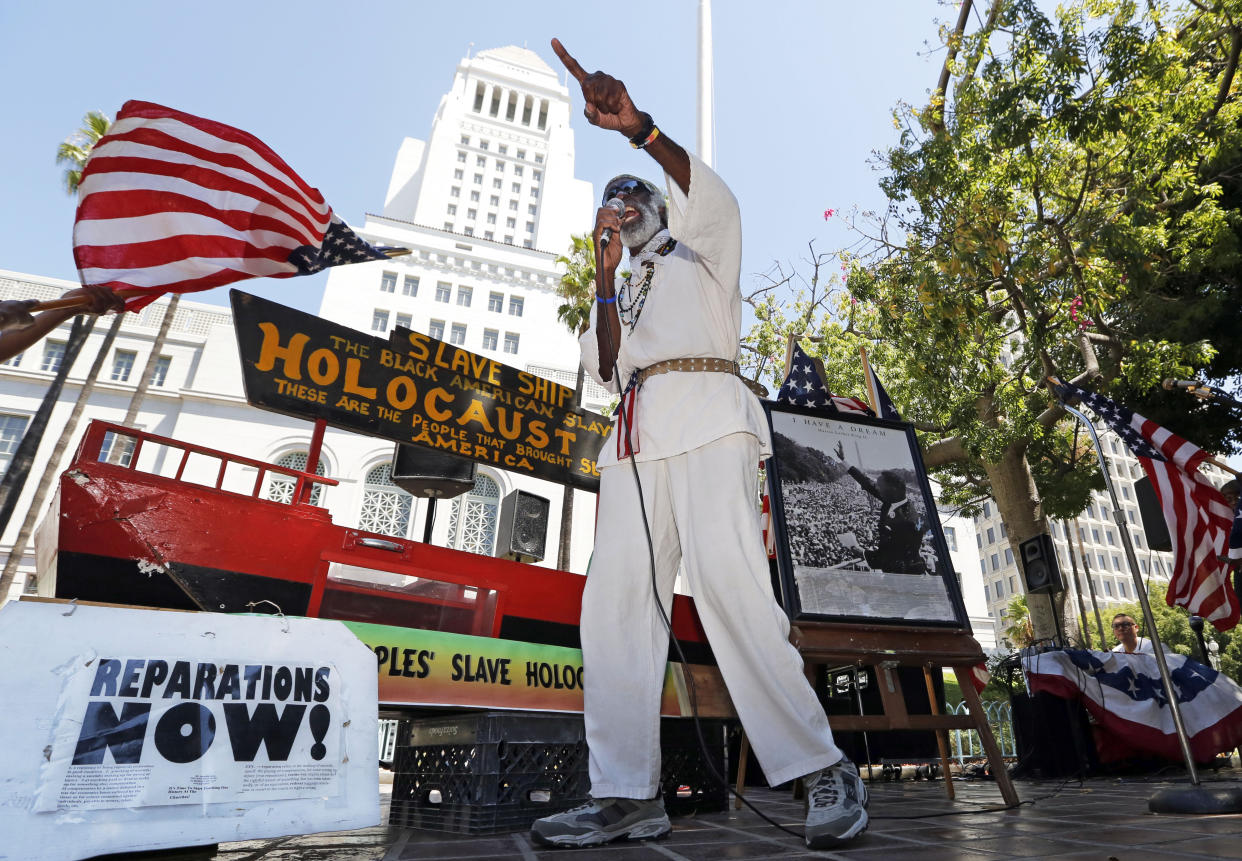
x=837, y=644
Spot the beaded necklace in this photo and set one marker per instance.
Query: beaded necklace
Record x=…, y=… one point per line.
x=630, y=302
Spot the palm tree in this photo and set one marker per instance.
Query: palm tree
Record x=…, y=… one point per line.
x=577, y=288
x=74, y=150
x=1019, y=631
x=72, y=153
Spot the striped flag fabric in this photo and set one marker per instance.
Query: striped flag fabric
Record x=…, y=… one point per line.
x=804, y=387
x=1198, y=517
x=884, y=406
x=174, y=203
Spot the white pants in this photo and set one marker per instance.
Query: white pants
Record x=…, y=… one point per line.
x=700, y=509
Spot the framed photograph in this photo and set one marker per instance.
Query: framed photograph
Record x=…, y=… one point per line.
x=857, y=534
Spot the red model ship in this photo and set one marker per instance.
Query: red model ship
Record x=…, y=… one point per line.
x=121, y=533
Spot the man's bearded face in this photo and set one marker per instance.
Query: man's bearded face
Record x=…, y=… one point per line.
x=637, y=229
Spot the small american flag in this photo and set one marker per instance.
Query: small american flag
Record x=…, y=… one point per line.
x=1199, y=519
x=174, y=203
x=883, y=403
x=804, y=387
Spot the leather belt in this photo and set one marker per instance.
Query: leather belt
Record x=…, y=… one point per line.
x=719, y=366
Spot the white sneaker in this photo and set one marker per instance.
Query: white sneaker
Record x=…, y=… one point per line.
x=602, y=821
x=836, y=801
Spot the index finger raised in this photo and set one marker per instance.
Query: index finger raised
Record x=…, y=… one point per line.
x=569, y=62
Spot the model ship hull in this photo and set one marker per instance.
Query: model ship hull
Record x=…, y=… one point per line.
x=125, y=533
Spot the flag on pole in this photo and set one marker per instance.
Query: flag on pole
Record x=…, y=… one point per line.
x=1126, y=695
x=1198, y=517
x=174, y=203
x=884, y=406
x=804, y=387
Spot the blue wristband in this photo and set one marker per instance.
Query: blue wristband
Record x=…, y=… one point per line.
x=607, y=301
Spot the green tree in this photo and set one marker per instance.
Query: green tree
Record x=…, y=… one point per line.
x=577, y=288
x=1061, y=194
x=73, y=150
x=1018, y=630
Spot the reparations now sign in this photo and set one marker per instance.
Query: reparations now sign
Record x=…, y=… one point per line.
x=415, y=389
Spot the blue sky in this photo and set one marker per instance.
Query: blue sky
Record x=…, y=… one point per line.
x=804, y=94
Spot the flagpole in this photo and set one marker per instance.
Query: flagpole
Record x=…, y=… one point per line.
x=1153, y=634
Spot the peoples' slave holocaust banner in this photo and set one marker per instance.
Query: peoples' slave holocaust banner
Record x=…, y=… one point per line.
x=415, y=389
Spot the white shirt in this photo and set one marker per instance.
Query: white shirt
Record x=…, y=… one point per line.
x=1144, y=647
x=693, y=310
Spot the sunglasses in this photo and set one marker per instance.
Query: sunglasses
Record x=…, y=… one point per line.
x=1123, y=624
x=629, y=186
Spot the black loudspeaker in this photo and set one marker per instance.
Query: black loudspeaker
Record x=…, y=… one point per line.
x=1039, y=565
x=1053, y=737
x=426, y=472
x=1154, y=525
x=523, y=530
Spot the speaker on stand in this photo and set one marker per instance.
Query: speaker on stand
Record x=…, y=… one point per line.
x=1155, y=528
x=522, y=533
x=1040, y=571
x=421, y=471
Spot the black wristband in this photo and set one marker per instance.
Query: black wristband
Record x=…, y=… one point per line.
x=645, y=132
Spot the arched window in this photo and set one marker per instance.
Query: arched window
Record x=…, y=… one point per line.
x=386, y=508
x=472, y=524
x=280, y=487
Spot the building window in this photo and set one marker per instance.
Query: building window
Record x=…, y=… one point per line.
x=474, y=197
x=983, y=567
x=497, y=183
x=472, y=522
x=995, y=562
x=443, y=290
x=464, y=296
x=280, y=487
x=454, y=192
x=491, y=339
x=478, y=179
x=511, y=342
x=448, y=225
x=405, y=321
x=538, y=158
x=472, y=214
x=530, y=227
x=986, y=593
x=510, y=222
x=457, y=335
x=468, y=230
x=53, y=354
x=159, y=374
x=13, y=361
x=508, y=239
x=458, y=173
x=388, y=282
x=517, y=188
x=991, y=535
x=521, y=153
x=987, y=509
x=379, y=321
x=1108, y=588
x=436, y=329
x=979, y=539
x=950, y=538
x=452, y=209
x=480, y=161
x=465, y=140
x=517, y=170
x=513, y=205
x=503, y=149
x=515, y=306
x=500, y=165
x=538, y=175
x=495, y=302
x=12, y=428
x=494, y=200
x=491, y=218
x=1000, y=589
x=534, y=192
x=386, y=508
x=483, y=144
x=1013, y=585
x=409, y=287
x=1121, y=587
x=122, y=365
x=526, y=243
x=1008, y=556
x=461, y=156
x=531, y=209
x=488, y=234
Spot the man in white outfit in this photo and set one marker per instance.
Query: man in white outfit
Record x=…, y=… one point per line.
x=667, y=340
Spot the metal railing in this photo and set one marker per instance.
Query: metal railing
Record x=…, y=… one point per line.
x=966, y=743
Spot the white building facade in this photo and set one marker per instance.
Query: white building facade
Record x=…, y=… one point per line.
x=483, y=277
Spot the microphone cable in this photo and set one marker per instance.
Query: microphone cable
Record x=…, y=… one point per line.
x=691, y=688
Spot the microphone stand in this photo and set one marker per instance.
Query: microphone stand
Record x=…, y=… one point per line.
x=1197, y=798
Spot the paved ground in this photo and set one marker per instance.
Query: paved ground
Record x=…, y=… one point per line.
x=1099, y=819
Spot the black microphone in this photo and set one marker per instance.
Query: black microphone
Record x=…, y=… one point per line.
x=617, y=206
x=1194, y=387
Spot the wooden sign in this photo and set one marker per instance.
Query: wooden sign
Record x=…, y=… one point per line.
x=412, y=388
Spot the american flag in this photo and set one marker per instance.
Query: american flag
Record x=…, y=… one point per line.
x=174, y=203
x=1125, y=694
x=804, y=387
x=1199, y=519
x=883, y=403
